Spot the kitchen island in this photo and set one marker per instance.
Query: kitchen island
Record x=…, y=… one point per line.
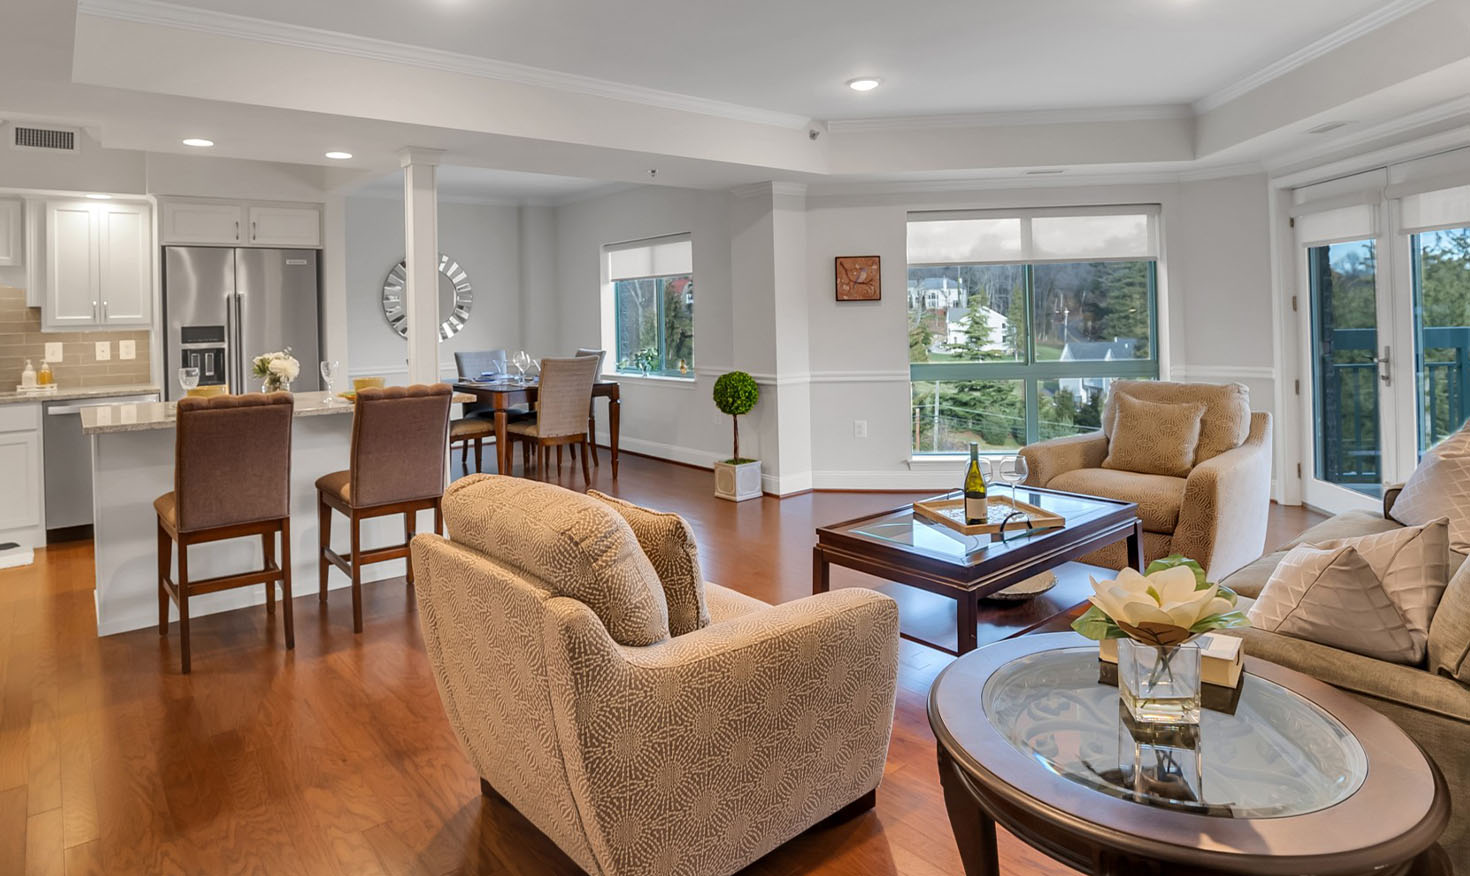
x=133, y=464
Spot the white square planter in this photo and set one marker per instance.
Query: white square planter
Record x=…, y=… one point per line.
x=738, y=482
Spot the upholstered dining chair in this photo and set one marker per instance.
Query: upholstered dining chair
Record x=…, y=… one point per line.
x=396, y=467
x=472, y=363
x=562, y=403
x=591, y=407
x=232, y=479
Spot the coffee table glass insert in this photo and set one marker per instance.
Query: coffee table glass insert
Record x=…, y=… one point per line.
x=1277, y=755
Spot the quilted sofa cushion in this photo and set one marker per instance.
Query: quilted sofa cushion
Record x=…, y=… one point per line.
x=573, y=544
x=1440, y=487
x=1154, y=437
x=668, y=542
x=1449, y=633
x=1158, y=497
x=1225, y=425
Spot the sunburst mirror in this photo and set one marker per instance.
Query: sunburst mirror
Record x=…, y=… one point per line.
x=456, y=295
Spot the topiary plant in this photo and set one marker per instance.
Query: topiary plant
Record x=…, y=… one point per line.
x=735, y=394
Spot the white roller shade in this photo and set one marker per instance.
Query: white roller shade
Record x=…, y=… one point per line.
x=950, y=241
x=650, y=258
x=1429, y=211
x=1358, y=222
x=1093, y=238
x=1083, y=234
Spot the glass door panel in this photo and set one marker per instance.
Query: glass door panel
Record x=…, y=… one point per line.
x=1441, y=280
x=1347, y=438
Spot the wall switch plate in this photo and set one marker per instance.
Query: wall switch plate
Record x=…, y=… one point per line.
x=127, y=349
x=53, y=351
x=859, y=428
x=104, y=351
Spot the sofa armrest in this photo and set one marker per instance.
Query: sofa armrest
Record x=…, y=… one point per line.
x=1222, y=521
x=1047, y=459
x=775, y=719
x=1390, y=496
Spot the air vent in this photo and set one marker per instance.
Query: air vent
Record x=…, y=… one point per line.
x=49, y=139
x=1325, y=127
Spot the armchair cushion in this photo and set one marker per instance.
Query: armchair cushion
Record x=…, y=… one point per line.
x=1440, y=487
x=578, y=546
x=1158, y=496
x=1226, y=422
x=1154, y=437
x=668, y=542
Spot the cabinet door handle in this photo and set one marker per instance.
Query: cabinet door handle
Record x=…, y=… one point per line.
x=252, y=230
x=237, y=229
x=104, y=311
x=94, y=311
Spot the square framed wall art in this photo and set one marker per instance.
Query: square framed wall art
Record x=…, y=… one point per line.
x=858, y=278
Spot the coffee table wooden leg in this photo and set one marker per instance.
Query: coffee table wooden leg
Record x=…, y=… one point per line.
x=966, y=617
x=821, y=572
x=974, y=831
x=1135, y=547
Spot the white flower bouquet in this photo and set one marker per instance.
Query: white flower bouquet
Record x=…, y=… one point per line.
x=276, y=370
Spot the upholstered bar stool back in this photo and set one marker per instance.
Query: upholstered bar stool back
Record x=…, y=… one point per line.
x=399, y=436
x=232, y=479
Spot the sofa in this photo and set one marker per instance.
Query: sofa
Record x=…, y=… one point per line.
x=1215, y=515
x=1431, y=708
x=696, y=752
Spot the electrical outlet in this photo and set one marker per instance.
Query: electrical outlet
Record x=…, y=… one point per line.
x=104, y=351
x=859, y=428
x=53, y=351
x=127, y=349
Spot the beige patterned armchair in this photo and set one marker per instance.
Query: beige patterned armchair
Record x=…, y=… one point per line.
x=1215, y=515
x=692, y=754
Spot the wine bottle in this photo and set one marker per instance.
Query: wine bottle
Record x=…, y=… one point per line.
x=975, y=510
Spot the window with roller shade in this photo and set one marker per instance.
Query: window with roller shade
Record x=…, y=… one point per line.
x=653, y=306
x=1019, y=321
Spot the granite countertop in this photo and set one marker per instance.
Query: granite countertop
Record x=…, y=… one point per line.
x=78, y=392
x=147, y=416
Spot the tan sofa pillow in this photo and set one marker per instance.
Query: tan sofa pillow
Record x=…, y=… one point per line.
x=1227, y=420
x=1154, y=437
x=1449, y=633
x=1440, y=487
x=668, y=541
x=572, y=544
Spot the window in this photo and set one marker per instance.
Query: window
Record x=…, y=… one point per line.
x=653, y=306
x=1018, y=324
x=1441, y=277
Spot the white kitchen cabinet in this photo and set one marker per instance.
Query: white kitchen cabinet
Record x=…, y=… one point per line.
x=20, y=458
x=286, y=226
x=12, y=243
x=203, y=222
x=99, y=265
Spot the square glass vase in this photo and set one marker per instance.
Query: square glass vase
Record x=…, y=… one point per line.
x=1159, y=685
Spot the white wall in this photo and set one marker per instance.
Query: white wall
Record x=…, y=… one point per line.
x=484, y=239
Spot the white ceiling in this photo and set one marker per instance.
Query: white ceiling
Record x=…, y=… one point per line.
x=937, y=56
x=484, y=185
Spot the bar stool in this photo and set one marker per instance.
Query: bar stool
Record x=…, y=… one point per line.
x=396, y=467
x=232, y=479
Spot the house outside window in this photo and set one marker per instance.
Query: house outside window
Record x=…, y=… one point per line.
x=652, y=286
x=1019, y=322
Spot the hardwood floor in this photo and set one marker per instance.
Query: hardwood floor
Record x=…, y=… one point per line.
x=336, y=759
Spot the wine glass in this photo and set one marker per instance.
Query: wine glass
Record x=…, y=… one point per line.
x=522, y=361
x=189, y=378
x=1014, y=470
x=329, y=376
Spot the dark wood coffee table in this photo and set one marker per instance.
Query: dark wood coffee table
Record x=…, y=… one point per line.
x=1301, y=778
x=913, y=552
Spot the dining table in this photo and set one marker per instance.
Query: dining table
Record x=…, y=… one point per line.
x=503, y=393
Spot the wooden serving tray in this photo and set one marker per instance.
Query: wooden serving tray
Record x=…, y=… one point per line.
x=949, y=510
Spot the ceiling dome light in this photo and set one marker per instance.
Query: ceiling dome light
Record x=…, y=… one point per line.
x=339, y=156
x=198, y=142
x=864, y=83
x=99, y=197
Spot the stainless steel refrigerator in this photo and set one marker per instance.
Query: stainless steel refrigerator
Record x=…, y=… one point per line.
x=224, y=306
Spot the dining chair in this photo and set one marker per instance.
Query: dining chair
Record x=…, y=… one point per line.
x=396, y=467
x=232, y=479
x=472, y=363
x=562, y=402
x=592, y=407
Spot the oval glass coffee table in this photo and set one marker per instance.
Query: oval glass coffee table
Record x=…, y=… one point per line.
x=1297, y=778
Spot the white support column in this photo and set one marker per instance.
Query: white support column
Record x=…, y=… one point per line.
x=421, y=250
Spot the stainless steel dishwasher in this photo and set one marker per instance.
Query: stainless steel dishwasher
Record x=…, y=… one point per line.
x=68, y=465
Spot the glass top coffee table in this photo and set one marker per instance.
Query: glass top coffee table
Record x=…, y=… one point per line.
x=1297, y=778
x=901, y=547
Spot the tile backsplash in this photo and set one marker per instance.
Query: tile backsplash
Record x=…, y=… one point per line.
x=21, y=338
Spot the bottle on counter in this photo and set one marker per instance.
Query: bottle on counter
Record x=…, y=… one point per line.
x=28, y=376
x=43, y=377
x=976, y=509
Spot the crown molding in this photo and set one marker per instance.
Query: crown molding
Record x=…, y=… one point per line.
x=161, y=14
x=1386, y=14
x=1012, y=118
x=1297, y=167
x=1223, y=171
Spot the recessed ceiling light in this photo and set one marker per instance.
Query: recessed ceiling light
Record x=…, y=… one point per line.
x=99, y=197
x=1045, y=172
x=198, y=142
x=339, y=156
x=864, y=83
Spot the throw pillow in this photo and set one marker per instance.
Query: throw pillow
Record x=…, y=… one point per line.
x=1440, y=487
x=1154, y=437
x=1449, y=632
x=668, y=541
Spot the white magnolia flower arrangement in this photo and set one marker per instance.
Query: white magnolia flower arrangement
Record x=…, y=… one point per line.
x=277, y=370
x=1168, y=605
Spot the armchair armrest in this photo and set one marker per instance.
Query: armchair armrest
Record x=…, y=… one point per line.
x=774, y=720
x=1222, y=522
x=1047, y=459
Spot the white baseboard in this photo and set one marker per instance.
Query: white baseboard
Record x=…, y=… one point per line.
x=884, y=480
